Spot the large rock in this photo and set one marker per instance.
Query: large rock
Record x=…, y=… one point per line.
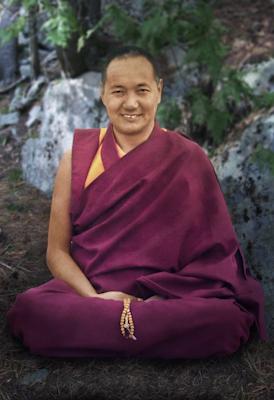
x=9, y=119
x=245, y=167
x=8, y=51
x=67, y=104
x=260, y=76
x=23, y=97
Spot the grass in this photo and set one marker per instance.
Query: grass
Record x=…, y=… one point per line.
x=15, y=175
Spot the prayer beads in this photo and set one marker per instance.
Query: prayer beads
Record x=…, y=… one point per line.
x=126, y=321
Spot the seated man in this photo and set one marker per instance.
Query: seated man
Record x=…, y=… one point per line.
x=144, y=256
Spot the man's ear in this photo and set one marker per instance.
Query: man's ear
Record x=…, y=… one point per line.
x=160, y=88
x=102, y=93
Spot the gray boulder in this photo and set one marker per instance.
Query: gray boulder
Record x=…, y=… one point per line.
x=67, y=104
x=35, y=115
x=245, y=167
x=260, y=76
x=8, y=51
x=23, y=98
x=9, y=119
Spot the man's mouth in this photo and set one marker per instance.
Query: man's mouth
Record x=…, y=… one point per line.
x=131, y=116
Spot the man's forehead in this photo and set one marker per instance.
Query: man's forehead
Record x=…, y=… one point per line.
x=135, y=69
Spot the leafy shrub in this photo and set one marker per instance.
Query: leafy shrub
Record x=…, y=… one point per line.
x=191, y=27
x=59, y=27
x=169, y=114
x=196, y=30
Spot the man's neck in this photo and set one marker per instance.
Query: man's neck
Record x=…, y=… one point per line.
x=129, y=142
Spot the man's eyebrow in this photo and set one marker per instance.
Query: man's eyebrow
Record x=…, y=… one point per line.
x=143, y=84
x=122, y=87
x=117, y=86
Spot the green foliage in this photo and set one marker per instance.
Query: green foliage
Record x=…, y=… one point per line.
x=3, y=140
x=206, y=113
x=211, y=105
x=59, y=27
x=16, y=207
x=195, y=28
x=214, y=111
x=169, y=114
x=202, y=34
x=123, y=25
x=264, y=158
x=29, y=3
x=33, y=134
x=173, y=24
x=13, y=30
x=155, y=31
x=61, y=24
x=15, y=175
x=4, y=109
x=265, y=100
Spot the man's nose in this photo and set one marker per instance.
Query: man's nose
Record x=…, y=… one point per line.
x=131, y=101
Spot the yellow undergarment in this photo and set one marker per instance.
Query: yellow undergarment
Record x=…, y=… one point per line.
x=97, y=167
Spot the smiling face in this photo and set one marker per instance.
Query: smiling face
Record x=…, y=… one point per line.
x=131, y=95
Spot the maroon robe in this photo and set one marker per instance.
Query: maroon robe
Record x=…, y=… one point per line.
x=154, y=223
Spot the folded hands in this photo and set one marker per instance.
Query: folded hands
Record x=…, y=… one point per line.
x=116, y=295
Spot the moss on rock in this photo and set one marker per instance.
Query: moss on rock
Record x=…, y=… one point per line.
x=263, y=158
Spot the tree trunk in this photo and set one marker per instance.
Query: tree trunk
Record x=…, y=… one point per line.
x=74, y=63
x=8, y=52
x=33, y=43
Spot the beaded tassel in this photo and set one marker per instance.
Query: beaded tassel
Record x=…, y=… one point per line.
x=126, y=321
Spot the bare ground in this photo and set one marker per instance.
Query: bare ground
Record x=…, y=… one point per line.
x=247, y=375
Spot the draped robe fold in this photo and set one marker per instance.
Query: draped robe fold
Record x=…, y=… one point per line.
x=153, y=222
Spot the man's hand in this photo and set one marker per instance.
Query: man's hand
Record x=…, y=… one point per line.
x=114, y=295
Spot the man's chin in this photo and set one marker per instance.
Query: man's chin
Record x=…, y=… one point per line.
x=131, y=129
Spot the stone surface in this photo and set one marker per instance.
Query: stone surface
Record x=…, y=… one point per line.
x=67, y=104
x=184, y=75
x=260, y=77
x=24, y=97
x=25, y=70
x=9, y=119
x=245, y=168
x=35, y=115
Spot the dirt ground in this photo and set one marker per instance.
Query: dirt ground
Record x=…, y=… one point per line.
x=247, y=375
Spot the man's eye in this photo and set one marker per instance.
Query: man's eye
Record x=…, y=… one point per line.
x=143, y=90
x=117, y=92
